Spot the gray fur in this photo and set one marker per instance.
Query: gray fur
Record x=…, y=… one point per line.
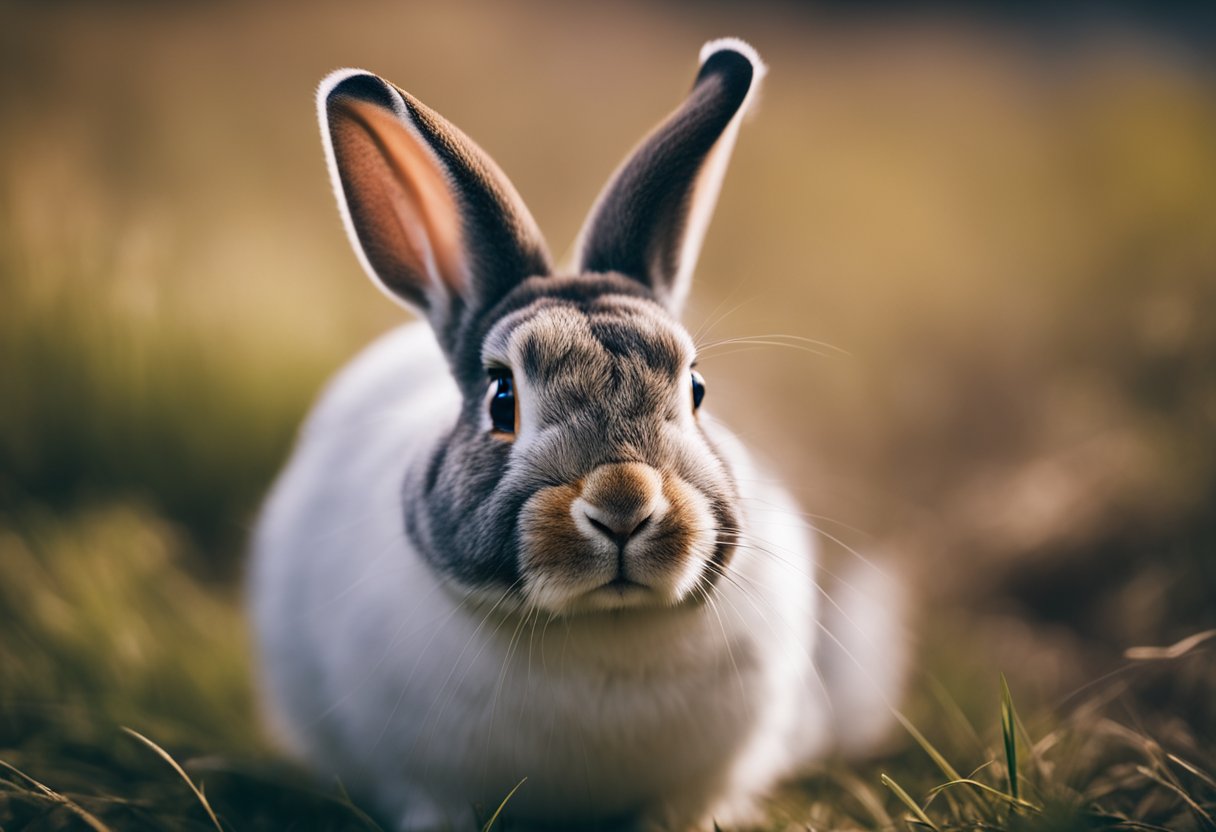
x=609, y=369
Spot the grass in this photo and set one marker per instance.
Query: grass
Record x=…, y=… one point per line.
x=127, y=706
x=1058, y=793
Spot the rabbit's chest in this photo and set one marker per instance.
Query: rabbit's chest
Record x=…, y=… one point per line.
x=609, y=735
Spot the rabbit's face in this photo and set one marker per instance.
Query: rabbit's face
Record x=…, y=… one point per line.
x=579, y=475
x=597, y=487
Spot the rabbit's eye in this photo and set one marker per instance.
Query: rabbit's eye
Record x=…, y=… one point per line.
x=698, y=389
x=504, y=410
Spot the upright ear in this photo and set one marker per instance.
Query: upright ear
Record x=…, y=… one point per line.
x=433, y=220
x=649, y=221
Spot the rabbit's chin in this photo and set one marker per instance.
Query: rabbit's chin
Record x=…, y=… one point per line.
x=555, y=598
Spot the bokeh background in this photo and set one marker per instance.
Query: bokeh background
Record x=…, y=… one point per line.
x=1002, y=220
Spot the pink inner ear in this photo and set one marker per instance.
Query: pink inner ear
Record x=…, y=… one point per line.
x=403, y=211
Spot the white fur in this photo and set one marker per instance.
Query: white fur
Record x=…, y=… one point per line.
x=431, y=703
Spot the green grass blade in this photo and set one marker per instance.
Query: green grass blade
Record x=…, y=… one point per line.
x=1009, y=732
x=181, y=772
x=494, y=817
x=956, y=714
x=938, y=758
x=986, y=789
x=912, y=805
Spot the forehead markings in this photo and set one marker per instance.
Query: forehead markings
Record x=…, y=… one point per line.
x=549, y=333
x=667, y=343
x=560, y=349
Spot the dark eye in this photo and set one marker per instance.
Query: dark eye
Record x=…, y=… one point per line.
x=504, y=413
x=698, y=389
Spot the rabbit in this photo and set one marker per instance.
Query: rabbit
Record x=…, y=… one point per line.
x=511, y=554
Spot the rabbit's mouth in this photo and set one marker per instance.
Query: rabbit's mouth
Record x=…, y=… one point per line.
x=618, y=593
x=621, y=584
x=626, y=535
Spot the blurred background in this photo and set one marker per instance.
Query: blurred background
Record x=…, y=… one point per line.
x=1003, y=221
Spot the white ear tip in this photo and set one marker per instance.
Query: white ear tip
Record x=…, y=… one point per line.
x=337, y=77
x=735, y=45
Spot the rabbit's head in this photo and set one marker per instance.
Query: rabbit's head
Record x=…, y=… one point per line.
x=579, y=475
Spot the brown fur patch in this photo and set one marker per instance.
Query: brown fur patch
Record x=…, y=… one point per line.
x=551, y=541
x=669, y=548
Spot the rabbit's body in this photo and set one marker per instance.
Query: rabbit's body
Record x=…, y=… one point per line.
x=511, y=547
x=436, y=703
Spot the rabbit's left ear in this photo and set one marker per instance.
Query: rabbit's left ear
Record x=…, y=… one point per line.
x=649, y=220
x=433, y=219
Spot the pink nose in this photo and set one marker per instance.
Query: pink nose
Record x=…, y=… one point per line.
x=620, y=500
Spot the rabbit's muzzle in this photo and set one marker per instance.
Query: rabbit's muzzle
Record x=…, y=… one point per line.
x=624, y=535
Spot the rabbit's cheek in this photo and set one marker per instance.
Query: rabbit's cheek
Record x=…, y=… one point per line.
x=672, y=556
x=554, y=556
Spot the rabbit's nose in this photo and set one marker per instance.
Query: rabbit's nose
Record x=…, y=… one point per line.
x=616, y=529
x=620, y=500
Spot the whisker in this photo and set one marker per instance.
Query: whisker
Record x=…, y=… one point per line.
x=706, y=327
x=736, y=351
x=498, y=688
x=820, y=348
x=813, y=582
x=561, y=667
x=730, y=653
x=775, y=509
x=744, y=537
x=807, y=653
x=827, y=632
x=455, y=664
x=388, y=648
x=828, y=535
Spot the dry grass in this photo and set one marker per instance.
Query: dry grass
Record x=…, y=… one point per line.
x=107, y=629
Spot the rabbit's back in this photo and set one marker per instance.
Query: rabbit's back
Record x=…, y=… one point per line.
x=399, y=378
x=331, y=530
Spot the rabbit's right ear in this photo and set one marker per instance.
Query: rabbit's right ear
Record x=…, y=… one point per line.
x=649, y=221
x=432, y=218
